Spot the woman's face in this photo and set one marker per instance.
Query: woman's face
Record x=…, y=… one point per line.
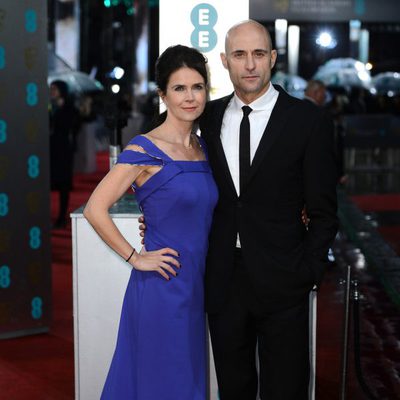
x=186, y=95
x=54, y=92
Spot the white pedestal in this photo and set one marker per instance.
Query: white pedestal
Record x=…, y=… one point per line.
x=100, y=278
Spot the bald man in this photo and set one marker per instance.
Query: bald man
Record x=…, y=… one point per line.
x=271, y=155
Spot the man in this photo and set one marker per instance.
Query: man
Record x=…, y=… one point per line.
x=262, y=262
x=315, y=92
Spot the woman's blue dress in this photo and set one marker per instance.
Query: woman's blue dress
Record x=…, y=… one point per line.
x=161, y=346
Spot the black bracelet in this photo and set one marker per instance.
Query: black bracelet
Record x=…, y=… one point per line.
x=133, y=251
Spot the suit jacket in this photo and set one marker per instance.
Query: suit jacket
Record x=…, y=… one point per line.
x=294, y=166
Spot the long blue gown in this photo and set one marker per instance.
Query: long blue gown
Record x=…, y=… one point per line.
x=161, y=346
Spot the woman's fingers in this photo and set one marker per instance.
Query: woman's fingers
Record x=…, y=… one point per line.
x=168, y=268
x=168, y=250
x=162, y=273
x=172, y=260
x=160, y=261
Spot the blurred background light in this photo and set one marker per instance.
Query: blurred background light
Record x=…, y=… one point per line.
x=326, y=40
x=115, y=88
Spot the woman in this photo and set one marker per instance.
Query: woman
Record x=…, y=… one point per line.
x=160, y=352
x=64, y=124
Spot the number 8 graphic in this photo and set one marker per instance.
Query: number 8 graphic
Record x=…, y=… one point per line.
x=36, y=304
x=3, y=204
x=33, y=166
x=5, y=279
x=34, y=237
x=31, y=94
x=2, y=57
x=30, y=21
x=3, y=131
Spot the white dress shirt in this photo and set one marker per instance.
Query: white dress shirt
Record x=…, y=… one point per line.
x=230, y=130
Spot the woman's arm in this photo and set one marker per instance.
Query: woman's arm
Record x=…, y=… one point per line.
x=110, y=190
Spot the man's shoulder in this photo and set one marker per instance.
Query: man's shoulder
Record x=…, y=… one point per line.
x=220, y=102
x=213, y=109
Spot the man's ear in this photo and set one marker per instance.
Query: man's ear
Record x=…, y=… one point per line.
x=274, y=54
x=224, y=60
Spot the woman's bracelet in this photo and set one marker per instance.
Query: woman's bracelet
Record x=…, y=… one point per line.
x=133, y=252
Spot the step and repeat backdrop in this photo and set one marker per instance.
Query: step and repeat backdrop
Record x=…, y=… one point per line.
x=25, y=267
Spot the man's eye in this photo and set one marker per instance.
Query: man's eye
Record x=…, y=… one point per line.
x=238, y=55
x=260, y=54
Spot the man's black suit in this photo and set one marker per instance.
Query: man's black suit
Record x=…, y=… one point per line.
x=293, y=167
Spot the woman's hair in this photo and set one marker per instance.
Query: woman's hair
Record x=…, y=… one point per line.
x=62, y=87
x=176, y=57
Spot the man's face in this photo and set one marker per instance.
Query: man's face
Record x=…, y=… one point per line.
x=249, y=60
x=321, y=96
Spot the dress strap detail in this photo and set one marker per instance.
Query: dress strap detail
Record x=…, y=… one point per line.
x=146, y=157
x=159, y=179
x=138, y=158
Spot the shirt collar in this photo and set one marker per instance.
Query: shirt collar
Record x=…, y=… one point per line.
x=259, y=104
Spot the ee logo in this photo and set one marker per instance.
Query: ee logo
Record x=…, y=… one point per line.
x=31, y=94
x=3, y=131
x=359, y=7
x=2, y=57
x=35, y=240
x=204, y=17
x=30, y=21
x=36, y=307
x=5, y=278
x=3, y=204
x=33, y=166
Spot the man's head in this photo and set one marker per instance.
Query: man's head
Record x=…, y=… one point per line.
x=249, y=58
x=316, y=90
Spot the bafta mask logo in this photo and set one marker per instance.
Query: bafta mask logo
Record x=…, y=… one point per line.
x=33, y=202
x=4, y=313
x=4, y=164
x=30, y=56
x=2, y=18
x=3, y=93
x=282, y=5
x=32, y=130
x=4, y=240
x=34, y=272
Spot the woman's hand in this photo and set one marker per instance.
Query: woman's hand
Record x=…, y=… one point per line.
x=304, y=217
x=156, y=261
x=142, y=228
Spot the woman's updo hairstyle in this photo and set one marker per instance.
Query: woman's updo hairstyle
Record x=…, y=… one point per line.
x=176, y=57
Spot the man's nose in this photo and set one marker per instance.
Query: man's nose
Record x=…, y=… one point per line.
x=250, y=64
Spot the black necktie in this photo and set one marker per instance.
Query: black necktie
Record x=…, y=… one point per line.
x=244, y=147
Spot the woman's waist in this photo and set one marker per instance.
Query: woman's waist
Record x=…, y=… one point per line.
x=182, y=244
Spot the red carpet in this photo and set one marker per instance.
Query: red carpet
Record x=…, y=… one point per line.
x=381, y=204
x=41, y=367
x=378, y=202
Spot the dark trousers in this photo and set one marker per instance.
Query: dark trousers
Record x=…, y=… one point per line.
x=283, y=346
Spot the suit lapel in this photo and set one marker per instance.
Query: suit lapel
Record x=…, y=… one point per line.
x=274, y=127
x=216, y=138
